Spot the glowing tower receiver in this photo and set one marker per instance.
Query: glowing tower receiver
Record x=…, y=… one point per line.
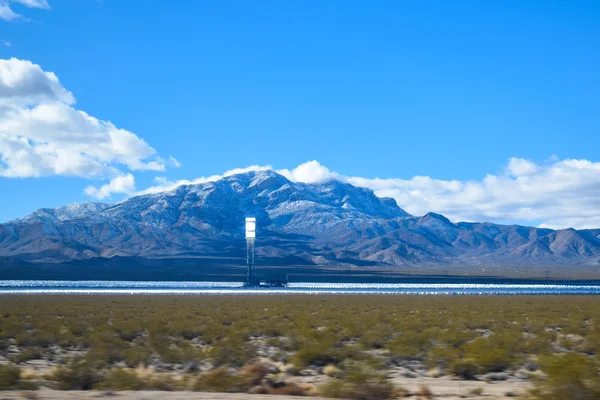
x=251, y=279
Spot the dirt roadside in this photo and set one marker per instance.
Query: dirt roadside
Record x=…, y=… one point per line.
x=446, y=388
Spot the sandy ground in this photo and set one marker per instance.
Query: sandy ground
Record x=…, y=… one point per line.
x=451, y=389
x=444, y=388
x=143, y=395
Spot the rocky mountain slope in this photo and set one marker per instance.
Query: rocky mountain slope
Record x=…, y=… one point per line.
x=331, y=223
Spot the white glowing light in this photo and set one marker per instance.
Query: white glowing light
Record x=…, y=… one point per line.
x=250, y=228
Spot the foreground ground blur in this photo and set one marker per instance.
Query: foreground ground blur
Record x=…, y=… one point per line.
x=359, y=347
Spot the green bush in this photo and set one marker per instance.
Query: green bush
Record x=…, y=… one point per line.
x=29, y=353
x=35, y=338
x=234, y=353
x=106, y=347
x=478, y=391
x=226, y=380
x=222, y=380
x=570, y=376
x=317, y=353
x=454, y=338
x=441, y=357
x=489, y=355
x=9, y=376
x=76, y=375
x=136, y=356
x=358, y=384
x=120, y=379
x=163, y=383
x=412, y=344
x=254, y=373
x=592, y=343
x=464, y=368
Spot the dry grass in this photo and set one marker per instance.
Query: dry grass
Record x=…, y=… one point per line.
x=425, y=392
x=285, y=390
x=331, y=371
x=478, y=391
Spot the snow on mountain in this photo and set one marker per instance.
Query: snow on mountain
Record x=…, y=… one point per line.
x=325, y=223
x=64, y=213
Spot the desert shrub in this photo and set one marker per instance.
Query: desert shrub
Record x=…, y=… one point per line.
x=591, y=344
x=27, y=385
x=538, y=343
x=464, y=368
x=137, y=355
x=358, y=384
x=412, y=344
x=164, y=383
x=106, y=347
x=478, y=391
x=425, y=392
x=76, y=375
x=570, y=343
x=189, y=352
x=454, y=338
x=121, y=379
x=376, y=337
x=320, y=347
x=254, y=373
x=35, y=338
x=441, y=357
x=318, y=353
x=172, y=350
x=234, y=353
x=29, y=353
x=9, y=376
x=489, y=355
x=570, y=376
x=29, y=395
x=401, y=392
x=170, y=353
x=332, y=371
x=222, y=380
x=369, y=361
x=127, y=331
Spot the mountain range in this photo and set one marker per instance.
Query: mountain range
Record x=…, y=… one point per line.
x=322, y=225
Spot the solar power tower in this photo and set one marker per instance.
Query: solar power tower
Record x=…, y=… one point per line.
x=251, y=278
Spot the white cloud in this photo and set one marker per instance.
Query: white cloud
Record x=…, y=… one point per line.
x=556, y=193
x=26, y=84
x=33, y=3
x=561, y=194
x=6, y=43
x=42, y=134
x=520, y=166
x=174, y=162
x=8, y=14
x=309, y=172
x=163, y=184
x=124, y=184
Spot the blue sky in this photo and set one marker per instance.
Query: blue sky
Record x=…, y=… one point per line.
x=387, y=89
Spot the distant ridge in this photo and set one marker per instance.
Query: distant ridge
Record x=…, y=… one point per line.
x=324, y=224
